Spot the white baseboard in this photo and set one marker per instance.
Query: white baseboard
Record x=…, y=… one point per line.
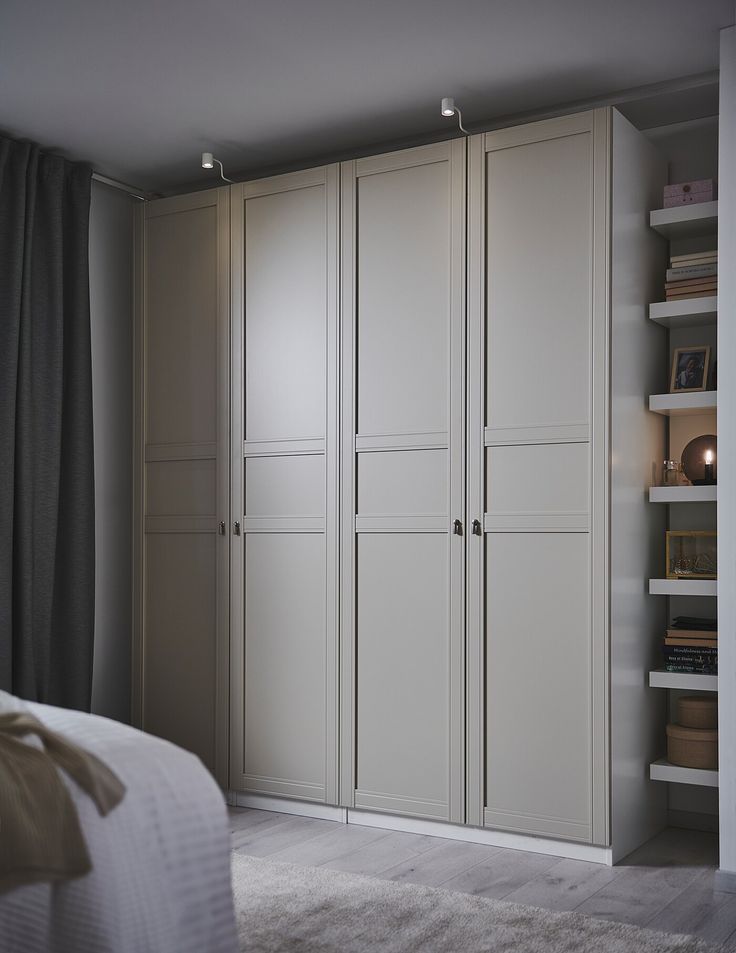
x=414, y=825
x=725, y=880
x=483, y=835
x=283, y=805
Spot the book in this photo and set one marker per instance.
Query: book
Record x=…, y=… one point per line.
x=704, y=284
x=692, y=649
x=691, y=669
x=692, y=634
x=696, y=256
x=695, y=644
x=692, y=272
x=681, y=296
x=694, y=622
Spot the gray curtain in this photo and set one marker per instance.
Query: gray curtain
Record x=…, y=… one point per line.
x=47, y=570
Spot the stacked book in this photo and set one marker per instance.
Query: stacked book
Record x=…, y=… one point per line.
x=691, y=645
x=692, y=276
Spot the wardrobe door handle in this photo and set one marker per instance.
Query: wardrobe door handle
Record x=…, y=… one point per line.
x=222, y=527
x=236, y=528
x=477, y=529
x=457, y=528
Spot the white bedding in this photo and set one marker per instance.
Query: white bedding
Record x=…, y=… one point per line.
x=160, y=881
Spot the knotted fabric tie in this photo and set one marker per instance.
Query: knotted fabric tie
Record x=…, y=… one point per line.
x=40, y=835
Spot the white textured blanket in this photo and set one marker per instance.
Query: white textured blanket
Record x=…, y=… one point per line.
x=160, y=881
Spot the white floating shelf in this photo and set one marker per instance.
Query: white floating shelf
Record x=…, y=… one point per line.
x=684, y=405
x=685, y=221
x=664, y=771
x=689, y=313
x=683, y=494
x=683, y=587
x=689, y=682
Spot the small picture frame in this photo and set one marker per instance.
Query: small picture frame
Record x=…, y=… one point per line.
x=689, y=369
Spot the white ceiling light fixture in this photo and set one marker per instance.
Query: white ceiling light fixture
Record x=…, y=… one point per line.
x=448, y=110
x=208, y=162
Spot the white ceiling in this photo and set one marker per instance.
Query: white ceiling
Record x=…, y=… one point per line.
x=141, y=87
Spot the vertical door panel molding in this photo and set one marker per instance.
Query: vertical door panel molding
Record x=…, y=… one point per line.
x=284, y=485
x=181, y=651
x=538, y=379
x=402, y=394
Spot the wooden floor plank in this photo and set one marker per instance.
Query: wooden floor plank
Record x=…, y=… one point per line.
x=441, y=862
x=387, y=852
x=700, y=910
x=329, y=846
x=564, y=885
x=501, y=874
x=293, y=831
x=637, y=895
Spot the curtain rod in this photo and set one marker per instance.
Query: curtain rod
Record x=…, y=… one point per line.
x=113, y=183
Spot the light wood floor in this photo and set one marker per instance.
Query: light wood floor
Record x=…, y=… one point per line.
x=665, y=885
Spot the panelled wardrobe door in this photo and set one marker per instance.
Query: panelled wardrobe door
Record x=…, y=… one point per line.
x=402, y=482
x=538, y=478
x=284, y=478
x=181, y=667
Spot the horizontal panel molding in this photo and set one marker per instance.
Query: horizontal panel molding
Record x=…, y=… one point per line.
x=293, y=446
x=283, y=788
x=538, y=434
x=284, y=524
x=169, y=452
x=373, y=801
x=533, y=824
x=180, y=524
x=401, y=524
x=421, y=440
x=572, y=522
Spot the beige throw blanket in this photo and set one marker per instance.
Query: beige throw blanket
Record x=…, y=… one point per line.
x=40, y=835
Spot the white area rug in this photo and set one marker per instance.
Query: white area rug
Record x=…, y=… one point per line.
x=281, y=908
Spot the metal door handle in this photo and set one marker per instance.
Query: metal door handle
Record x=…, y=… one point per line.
x=457, y=528
x=222, y=527
x=477, y=529
x=236, y=528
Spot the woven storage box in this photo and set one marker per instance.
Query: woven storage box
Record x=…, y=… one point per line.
x=692, y=747
x=697, y=711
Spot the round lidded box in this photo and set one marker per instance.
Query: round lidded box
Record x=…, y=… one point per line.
x=697, y=711
x=692, y=747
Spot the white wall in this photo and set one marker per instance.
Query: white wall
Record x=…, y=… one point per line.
x=727, y=461
x=111, y=300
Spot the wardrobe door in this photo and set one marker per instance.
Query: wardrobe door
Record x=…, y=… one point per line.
x=402, y=482
x=538, y=477
x=284, y=594
x=181, y=664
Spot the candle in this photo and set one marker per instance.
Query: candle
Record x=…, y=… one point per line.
x=709, y=466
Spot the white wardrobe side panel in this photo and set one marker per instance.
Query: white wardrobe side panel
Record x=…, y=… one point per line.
x=402, y=366
x=638, y=447
x=284, y=711
x=183, y=414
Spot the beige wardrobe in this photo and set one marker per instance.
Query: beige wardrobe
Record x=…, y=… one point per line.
x=411, y=389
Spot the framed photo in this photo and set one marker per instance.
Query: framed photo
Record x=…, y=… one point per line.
x=689, y=369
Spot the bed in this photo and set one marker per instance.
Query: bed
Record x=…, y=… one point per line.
x=161, y=859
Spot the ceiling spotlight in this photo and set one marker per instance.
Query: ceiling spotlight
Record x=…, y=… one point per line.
x=208, y=162
x=448, y=109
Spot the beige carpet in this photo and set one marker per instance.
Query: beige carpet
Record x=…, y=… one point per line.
x=282, y=908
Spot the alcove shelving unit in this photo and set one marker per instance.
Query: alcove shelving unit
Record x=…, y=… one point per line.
x=685, y=222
